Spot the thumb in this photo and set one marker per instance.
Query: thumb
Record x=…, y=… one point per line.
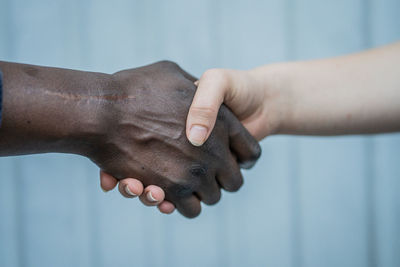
x=203, y=112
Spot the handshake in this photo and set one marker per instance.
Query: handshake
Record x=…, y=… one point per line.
x=145, y=138
x=151, y=127
x=131, y=124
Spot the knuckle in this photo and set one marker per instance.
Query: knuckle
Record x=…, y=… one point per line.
x=188, y=182
x=168, y=63
x=219, y=76
x=248, y=164
x=255, y=154
x=182, y=189
x=198, y=170
x=204, y=112
x=193, y=213
x=234, y=186
x=213, y=199
x=258, y=150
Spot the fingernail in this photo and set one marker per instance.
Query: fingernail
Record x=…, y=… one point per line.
x=129, y=192
x=105, y=191
x=197, y=135
x=150, y=197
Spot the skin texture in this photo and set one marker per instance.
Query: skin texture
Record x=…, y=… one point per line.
x=353, y=94
x=131, y=124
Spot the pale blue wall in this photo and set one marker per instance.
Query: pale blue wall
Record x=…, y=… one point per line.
x=309, y=201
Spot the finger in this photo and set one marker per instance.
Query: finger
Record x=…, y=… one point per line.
x=130, y=187
x=205, y=106
x=242, y=143
x=152, y=195
x=209, y=193
x=107, y=182
x=166, y=207
x=189, y=206
x=231, y=178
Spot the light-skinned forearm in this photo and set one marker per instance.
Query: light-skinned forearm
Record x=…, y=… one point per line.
x=354, y=94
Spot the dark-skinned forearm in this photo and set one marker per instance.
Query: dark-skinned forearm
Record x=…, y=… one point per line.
x=50, y=109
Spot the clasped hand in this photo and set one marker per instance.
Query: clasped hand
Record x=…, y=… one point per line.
x=145, y=139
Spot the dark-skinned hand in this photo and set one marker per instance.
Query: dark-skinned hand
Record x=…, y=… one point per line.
x=148, y=141
x=131, y=124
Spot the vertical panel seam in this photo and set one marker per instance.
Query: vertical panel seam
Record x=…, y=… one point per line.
x=294, y=188
x=19, y=214
x=214, y=31
x=17, y=182
x=370, y=182
x=86, y=59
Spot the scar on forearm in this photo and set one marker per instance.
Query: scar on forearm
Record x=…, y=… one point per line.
x=69, y=96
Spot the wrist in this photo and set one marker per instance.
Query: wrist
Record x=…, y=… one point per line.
x=284, y=82
x=93, y=120
x=272, y=80
x=51, y=109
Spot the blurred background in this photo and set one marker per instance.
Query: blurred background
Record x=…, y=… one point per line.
x=309, y=201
